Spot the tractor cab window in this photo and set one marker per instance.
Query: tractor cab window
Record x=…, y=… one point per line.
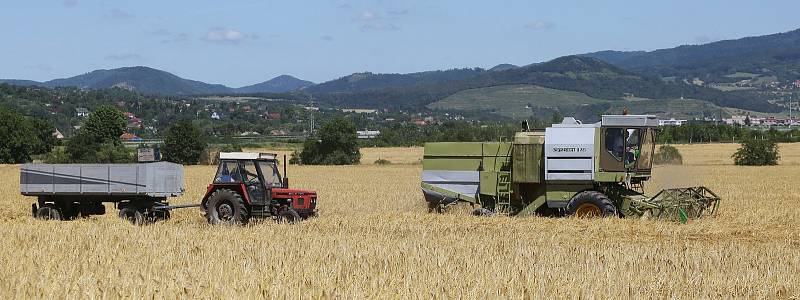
x=249, y=172
x=271, y=176
x=228, y=172
x=632, y=146
x=615, y=142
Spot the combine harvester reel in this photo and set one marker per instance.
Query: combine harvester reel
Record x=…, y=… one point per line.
x=683, y=204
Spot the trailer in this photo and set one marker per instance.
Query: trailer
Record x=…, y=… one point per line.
x=67, y=191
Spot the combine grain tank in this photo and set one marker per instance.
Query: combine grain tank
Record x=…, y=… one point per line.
x=65, y=191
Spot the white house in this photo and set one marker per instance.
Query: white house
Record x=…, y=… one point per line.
x=671, y=122
x=368, y=134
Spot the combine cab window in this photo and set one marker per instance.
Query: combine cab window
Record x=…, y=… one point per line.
x=632, y=147
x=615, y=142
x=228, y=172
x=648, y=146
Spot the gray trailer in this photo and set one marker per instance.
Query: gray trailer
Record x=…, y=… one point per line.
x=66, y=191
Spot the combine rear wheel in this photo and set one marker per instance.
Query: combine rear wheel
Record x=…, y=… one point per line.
x=226, y=207
x=591, y=204
x=48, y=212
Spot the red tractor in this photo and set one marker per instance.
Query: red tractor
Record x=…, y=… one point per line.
x=248, y=185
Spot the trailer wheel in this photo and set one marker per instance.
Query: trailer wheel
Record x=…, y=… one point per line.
x=288, y=216
x=226, y=207
x=591, y=204
x=131, y=214
x=48, y=212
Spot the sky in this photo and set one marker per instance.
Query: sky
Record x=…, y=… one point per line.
x=242, y=42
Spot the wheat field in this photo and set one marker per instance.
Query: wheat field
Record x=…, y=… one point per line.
x=374, y=239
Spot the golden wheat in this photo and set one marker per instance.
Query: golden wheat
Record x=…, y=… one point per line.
x=374, y=239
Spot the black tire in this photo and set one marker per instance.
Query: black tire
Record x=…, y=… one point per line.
x=226, y=207
x=288, y=216
x=131, y=214
x=591, y=204
x=48, y=212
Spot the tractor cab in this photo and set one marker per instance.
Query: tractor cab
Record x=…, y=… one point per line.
x=627, y=143
x=249, y=185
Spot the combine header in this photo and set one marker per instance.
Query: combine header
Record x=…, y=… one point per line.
x=585, y=170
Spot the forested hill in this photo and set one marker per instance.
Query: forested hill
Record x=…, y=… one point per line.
x=371, y=81
x=147, y=80
x=280, y=84
x=590, y=76
x=774, y=54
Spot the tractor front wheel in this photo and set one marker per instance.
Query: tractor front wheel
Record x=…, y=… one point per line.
x=288, y=216
x=226, y=207
x=591, y=204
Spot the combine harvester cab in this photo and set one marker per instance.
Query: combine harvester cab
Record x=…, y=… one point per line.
x=567, y=169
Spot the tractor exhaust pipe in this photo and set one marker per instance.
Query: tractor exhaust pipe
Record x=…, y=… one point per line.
x=285, y=174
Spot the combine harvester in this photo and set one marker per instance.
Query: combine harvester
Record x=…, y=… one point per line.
x=569, y=169
x=245, y=186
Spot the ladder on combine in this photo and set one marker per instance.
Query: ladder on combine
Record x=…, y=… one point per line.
x=503, y=193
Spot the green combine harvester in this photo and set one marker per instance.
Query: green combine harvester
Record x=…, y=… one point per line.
x=569, y=169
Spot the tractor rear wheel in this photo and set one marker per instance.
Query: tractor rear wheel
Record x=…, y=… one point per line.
x=131, y=214
x=226, y=207
x=591, y=204
x=48, y=212
x=288, y=216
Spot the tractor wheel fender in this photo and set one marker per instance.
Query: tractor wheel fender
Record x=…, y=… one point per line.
x=593, y=202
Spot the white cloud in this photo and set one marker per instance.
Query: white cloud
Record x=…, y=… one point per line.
x=372, y=21
x=540, y=25
x=118, y=14
x=380, y=26
x=401, y=12
x=368, y=16
x=169, y=36
x=227, y=36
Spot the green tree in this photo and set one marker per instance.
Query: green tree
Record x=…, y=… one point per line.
x=337, y=144
x=755, y=152
x=106, y=123
x=21, y=137
x=98, y=140
x=184, y=143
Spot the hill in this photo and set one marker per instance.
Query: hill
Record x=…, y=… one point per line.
x=280, y=84
x=139, y=79
x=503, y=67
x=526, y=101
x=590, y=76
x=774, y=54
x=365, y=81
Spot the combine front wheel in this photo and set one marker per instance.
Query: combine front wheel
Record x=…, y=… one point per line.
x=591, y=204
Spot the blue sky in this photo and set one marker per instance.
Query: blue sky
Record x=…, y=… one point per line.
x=241, y=42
